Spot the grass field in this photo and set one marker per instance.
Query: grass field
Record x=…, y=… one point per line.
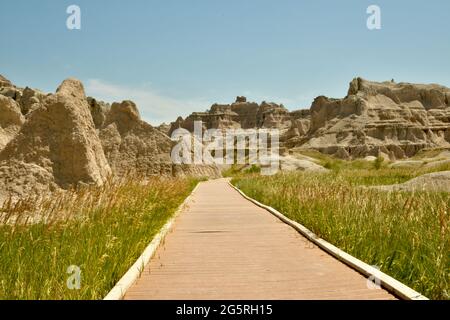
x=101, y=230
x=405, y=234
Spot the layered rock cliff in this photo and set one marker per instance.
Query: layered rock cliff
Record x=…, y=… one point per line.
x=250, y=115
x=387, y=118
x=393, y=120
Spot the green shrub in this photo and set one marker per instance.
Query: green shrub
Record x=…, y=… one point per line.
x=378, y=163
x=253, y=169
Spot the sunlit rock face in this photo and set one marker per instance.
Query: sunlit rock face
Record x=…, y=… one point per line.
x=394, y=119
x=250, y=115
x=54, y=142
x=56, y=147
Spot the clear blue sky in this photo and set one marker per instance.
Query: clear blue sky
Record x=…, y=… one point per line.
x=174, y=57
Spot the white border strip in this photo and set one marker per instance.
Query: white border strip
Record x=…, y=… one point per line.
x=130, y=277
x=390, y=284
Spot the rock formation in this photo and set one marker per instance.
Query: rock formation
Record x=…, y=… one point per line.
x=132, y=145
x=26, y=98
x=30, y=99
x=292, y=163
x=245, y=115
x=99, y=111
x=58, y=141
x=11, y=120
x=249, y=115
x=434, y=182
x=4, y=82
x=384, y=118
x=388, y=119
x=164, y=128
x=57, y=146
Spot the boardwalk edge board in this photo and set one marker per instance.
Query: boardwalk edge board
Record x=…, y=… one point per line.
x=130, y=277
x=387, y=282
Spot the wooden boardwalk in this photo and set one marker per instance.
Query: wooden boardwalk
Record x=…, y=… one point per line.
x=225, y=247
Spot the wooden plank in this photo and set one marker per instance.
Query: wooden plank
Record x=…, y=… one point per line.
x=225, y=247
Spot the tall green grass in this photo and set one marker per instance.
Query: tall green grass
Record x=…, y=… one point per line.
x=405, y=234
x=102, y=230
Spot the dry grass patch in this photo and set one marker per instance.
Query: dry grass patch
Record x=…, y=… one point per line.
x=102, y=230
x=405, y=234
